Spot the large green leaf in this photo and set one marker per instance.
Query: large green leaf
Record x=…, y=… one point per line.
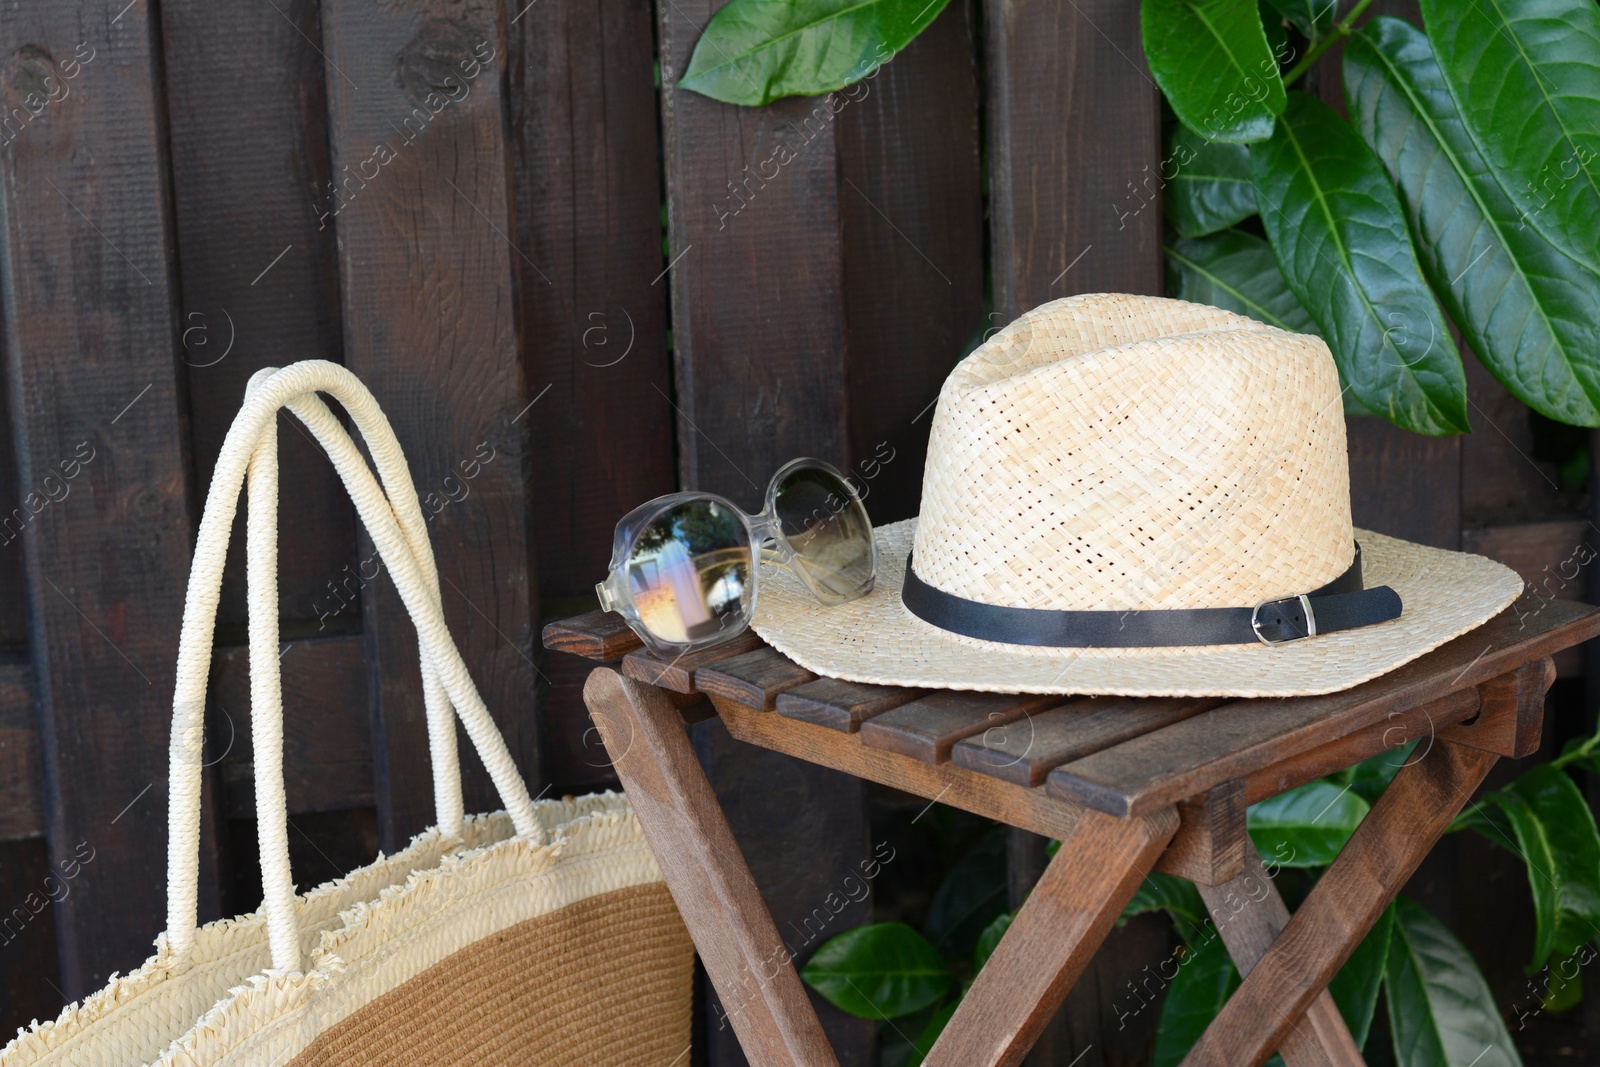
x=1556, y=837
x=1313, y=18
x=1236, y=271
x=754, y=51
x=880, y=971
x=1212, y=60
x=1342, y=242
x=1355, y=988
x=1205, y=979
x=1306, y=827
x=1176, y=896
x=1211, y=187
x=1526, y=77
x=1524, y=307
x=1441, y=1013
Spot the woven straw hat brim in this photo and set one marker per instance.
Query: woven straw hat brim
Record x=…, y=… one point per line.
x=876, y=640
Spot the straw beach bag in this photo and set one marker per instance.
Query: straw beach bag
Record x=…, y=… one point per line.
x=542, y=934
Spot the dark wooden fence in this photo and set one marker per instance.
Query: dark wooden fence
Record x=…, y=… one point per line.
x=572, y=287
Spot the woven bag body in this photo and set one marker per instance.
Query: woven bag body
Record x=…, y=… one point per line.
x=538, y=935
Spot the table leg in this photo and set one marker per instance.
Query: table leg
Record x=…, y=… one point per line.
x=1070, y=911
x=747, y=962
x=1249, y=915
x=1383, y=852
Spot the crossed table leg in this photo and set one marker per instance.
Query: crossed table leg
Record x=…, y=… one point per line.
x=1282, y=1003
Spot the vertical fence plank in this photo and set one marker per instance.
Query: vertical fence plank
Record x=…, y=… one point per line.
x=1074, y=153
x=428, y=272
x=90, y=337
x=911, y=208
x=759, y=333
x=244, y=82
x=588, y=196
x=1074, y=158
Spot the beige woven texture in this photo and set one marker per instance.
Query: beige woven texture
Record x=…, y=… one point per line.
x=1115, y=452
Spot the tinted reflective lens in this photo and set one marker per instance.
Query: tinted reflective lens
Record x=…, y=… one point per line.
x=828, y=530
x=689, y=572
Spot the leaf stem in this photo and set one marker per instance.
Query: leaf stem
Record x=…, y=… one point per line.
x=1339, y=32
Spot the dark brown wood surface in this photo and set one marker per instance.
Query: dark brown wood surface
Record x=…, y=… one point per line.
x=257, y=273
x=90, y=295
x=428, y=280
x=597, y=635
x=1058, y=227
x=22, y=809
x=1046, y=739
x=754, y=679
x=839, y=704
x=1239, y=738
x=929, y=727
x=677, y=673
x=911, y=222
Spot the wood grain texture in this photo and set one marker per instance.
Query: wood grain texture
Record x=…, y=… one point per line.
x=1052, y=737
x=929, y=727
x=601, y=636
x=748, y=188
x=1210, y=845
x=1383, y=852
x=744, y=956
x=677, y=672
x=841, y=705
x=29, y=886
x=1238, y=739
x=911, y=220
x=582, y=121
x=257, y=271
x=22, y=812
x=1065, y=918
x=13, y=598
x=1404, y=484
x=1249, y=913
x=429, y=276
x=1550, y=557
x=752, y=678
x=1067, y=83
x=327, y=745
x=1512, y=720
x=1029, y=809
x=90, y=330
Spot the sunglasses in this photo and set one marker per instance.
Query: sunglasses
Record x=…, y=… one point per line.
x=683, y=566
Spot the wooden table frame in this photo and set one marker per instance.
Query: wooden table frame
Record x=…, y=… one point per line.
x=1127, y=786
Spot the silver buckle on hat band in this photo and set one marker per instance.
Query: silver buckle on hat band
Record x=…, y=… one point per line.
x=1305, y=606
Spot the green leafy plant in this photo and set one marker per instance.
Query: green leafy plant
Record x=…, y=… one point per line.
x=1463, y=189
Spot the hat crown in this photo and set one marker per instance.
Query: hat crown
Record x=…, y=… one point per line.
x=1115, y=452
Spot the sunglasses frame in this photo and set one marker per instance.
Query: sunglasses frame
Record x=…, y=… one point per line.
x=768, y=544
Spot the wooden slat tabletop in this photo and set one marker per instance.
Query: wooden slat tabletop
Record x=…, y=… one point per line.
x=1122, y=756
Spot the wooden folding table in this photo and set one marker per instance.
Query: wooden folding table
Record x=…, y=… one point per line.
x=1127, y=786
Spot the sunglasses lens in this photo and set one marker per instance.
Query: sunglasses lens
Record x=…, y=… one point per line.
x=689, y=573
x=828, y=529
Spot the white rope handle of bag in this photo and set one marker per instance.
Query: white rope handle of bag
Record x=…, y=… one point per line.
x=379, y=515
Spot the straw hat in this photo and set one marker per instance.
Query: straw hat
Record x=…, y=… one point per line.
x=1135, y=496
